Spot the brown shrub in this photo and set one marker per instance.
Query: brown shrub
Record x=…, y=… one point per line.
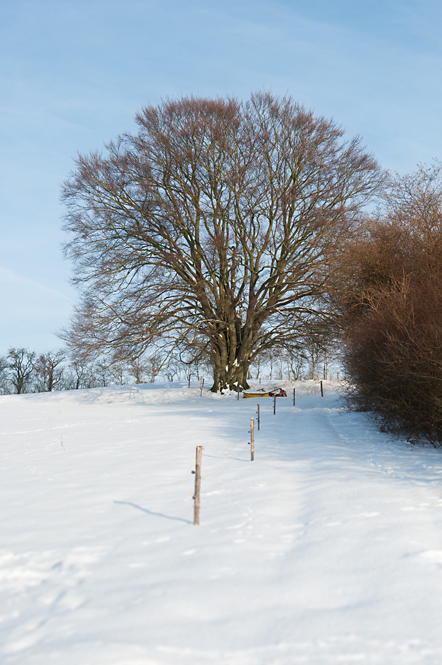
x=391, y=310
x=393, y=358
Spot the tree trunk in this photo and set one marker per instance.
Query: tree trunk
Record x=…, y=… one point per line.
x=230, y=378
x=230, y=369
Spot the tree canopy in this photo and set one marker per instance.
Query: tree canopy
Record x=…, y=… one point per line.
x=210, y=229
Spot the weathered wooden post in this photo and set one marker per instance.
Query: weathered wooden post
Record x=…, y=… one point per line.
x=274, y=404
x=322, y=390
x=196, y=496
x=259, y=420
x=252, y=439
x=294, y=396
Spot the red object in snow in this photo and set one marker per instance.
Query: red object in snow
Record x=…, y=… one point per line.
x=278, y=392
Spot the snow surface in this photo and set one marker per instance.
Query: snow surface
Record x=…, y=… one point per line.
x=326, y=549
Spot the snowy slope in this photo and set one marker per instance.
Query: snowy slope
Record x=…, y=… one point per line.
x=326, y=549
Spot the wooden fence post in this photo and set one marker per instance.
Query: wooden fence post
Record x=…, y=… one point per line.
x=294, y=396
x=196, y=496
x=252, y=439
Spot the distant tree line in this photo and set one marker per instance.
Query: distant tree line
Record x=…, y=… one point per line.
x=25, y=371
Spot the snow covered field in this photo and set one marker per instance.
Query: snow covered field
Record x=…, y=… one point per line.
x=326, y=549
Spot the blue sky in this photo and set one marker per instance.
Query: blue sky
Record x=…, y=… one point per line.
x=73, y=73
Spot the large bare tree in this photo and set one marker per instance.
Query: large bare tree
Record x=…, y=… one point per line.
x=211, y=228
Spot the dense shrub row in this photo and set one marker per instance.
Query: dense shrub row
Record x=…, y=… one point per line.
x=393, y=356
x=393, y=312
